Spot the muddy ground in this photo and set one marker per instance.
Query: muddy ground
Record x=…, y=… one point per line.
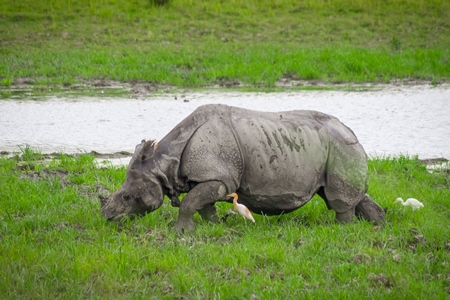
x=137, y=89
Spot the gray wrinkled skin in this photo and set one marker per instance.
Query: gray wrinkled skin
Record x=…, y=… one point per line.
x=275, y=162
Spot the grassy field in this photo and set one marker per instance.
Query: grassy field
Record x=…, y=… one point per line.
x=188, y=43
x=54, y=243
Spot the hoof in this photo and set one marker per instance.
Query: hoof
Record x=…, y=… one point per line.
x=369, y=210
x=184, y=226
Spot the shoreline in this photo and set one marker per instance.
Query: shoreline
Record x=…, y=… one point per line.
x=26, y=87
x=127, y=155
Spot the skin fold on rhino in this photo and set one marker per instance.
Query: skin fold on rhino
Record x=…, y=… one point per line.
x=275, y=161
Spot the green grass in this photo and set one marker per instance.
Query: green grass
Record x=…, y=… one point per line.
x=55, y=244
x=200, y=43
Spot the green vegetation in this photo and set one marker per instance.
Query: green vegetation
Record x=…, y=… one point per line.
x=200, y=43
x=55, y=244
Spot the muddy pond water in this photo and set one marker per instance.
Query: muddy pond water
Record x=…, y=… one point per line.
x=389, y=121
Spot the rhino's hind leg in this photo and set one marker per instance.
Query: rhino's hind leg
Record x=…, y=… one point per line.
x=369, y=210
x=199, y=199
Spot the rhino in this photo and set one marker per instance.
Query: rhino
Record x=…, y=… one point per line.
x=275, y=161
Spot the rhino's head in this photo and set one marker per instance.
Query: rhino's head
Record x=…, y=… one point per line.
x=142, y=191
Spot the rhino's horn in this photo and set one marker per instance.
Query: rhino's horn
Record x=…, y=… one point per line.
x=148, y=149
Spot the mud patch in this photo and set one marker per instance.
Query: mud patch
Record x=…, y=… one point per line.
x=434, y=161
x=380, y=280
x=88, y=191
x=48, y=156
x=361, y=259
x=43, y=174
x=102, y=160
x=26, y=86
x=120, y=154
x=143, y=236
x=415, y=239
x=437, y=165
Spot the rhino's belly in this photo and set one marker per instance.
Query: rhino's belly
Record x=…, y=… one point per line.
x=272, y=204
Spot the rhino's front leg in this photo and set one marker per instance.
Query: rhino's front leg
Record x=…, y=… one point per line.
x=345, y=217
x=200, y=197
x=208, y=213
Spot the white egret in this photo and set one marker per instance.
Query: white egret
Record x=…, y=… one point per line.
x=413, y=203
x=241, y=208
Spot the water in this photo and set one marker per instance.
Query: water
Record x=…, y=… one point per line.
x=391, y=121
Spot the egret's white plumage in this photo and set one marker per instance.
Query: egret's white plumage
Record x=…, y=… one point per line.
x=241, y=208
x=413, y=203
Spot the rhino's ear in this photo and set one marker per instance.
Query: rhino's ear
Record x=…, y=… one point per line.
x=138, y=148
x=148, y=149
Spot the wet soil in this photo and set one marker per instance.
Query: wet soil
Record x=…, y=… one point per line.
x=24, y=87
x=31, y=170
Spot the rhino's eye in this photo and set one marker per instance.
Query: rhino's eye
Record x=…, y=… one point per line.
x=126, y=197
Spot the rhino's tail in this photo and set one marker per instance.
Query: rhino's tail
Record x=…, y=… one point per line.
x=369, y=210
